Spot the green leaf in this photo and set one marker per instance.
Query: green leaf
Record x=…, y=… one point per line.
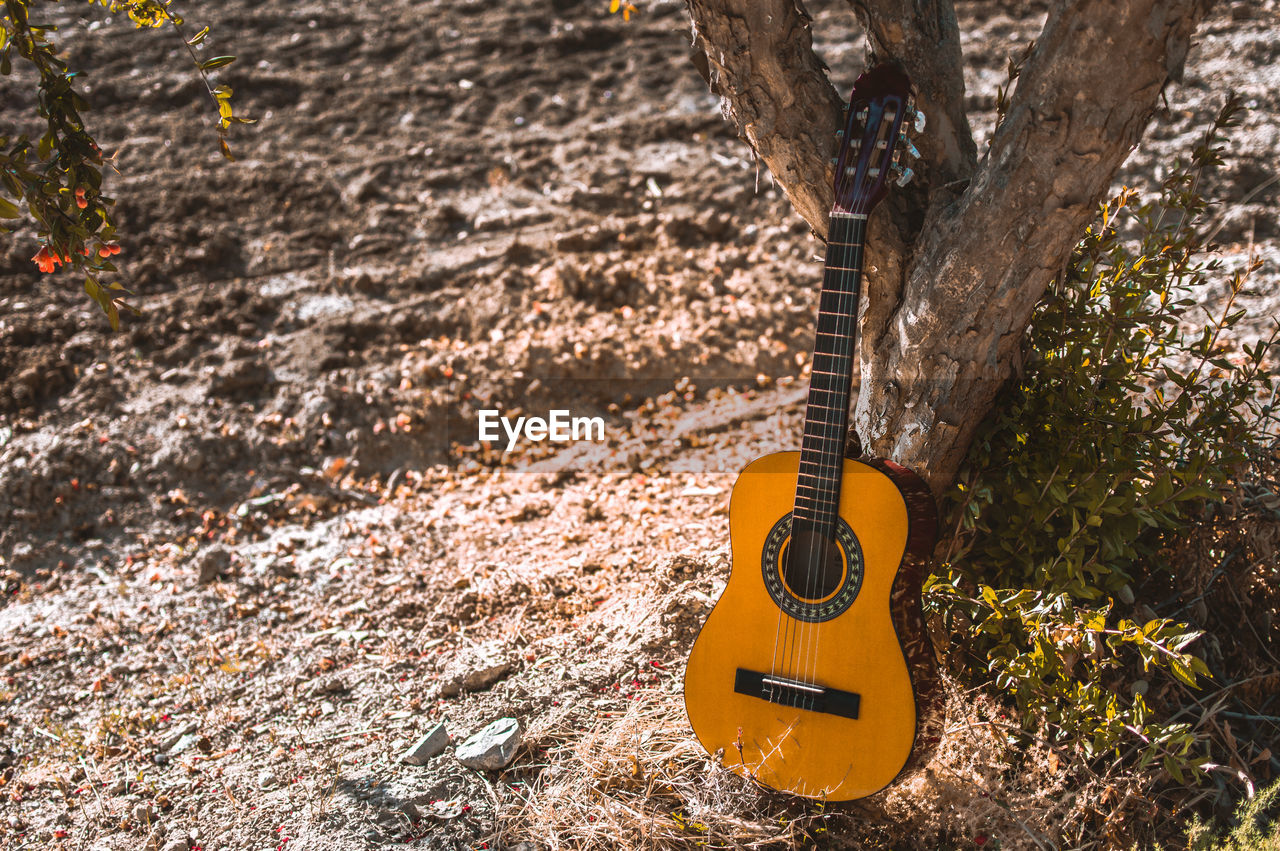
x=216, y=62
x=9, y=210
x=1183, y=671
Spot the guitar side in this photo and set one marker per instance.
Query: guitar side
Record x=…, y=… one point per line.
x=861, y=652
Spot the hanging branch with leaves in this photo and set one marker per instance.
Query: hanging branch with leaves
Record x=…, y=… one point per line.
x=59, y=176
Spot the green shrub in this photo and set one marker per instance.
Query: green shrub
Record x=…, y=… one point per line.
x=1131, y=413
x=1256, y=826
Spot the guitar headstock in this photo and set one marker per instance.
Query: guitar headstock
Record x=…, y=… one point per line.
x=873, y=144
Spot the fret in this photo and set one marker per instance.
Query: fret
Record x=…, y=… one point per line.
x=816, y=372
x=825, y=474
x=832, y=387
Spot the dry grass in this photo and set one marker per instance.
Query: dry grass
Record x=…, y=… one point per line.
x=626, y=772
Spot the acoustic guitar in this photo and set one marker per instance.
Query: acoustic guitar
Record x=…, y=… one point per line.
x=813, y=674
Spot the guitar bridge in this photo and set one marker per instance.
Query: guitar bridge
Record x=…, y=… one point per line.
x=788, y=692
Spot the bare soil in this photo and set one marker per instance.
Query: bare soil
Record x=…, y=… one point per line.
x=251, y=548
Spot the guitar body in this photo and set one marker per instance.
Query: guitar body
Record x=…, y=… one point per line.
x=818, y=754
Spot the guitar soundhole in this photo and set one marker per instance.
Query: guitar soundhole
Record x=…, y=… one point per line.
x=810, y=577
x=812, y=566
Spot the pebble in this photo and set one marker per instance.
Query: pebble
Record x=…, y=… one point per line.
x=320, y=686
x=212, y=563
x=266, y=779
x=493, y=747
x=434, y=742
x=476, y=670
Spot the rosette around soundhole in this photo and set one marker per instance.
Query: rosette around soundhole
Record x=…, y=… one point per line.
x=826, y=606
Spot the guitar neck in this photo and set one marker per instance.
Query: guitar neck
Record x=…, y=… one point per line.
x=827, y=414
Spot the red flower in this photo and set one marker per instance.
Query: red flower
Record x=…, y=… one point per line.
x=46, y=260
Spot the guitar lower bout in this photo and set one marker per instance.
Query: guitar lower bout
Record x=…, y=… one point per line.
x=818, y=680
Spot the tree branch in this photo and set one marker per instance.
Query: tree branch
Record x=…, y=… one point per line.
x=760, y=59
x=952, y=278
x=932, y=370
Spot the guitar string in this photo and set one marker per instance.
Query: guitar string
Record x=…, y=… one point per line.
x=827, y=489
x=798, y=632
x=831, y=448
x=845, y=344
x=845, y=347
x=828, y=449
x=846, y=296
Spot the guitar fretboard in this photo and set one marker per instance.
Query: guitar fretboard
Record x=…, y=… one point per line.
x=827, y=414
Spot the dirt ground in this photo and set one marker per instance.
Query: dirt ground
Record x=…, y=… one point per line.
x=251, y=548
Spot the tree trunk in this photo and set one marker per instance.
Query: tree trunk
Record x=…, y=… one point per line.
x=956, y=264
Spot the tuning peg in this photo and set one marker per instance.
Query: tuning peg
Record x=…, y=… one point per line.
x=861, y=115
x=839, y=134
x=835, y=160
x=904, y=175
x=911, y=150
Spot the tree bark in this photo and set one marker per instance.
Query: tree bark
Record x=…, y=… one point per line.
x=956, y=266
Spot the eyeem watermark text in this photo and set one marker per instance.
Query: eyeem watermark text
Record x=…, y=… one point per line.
x=560, y=427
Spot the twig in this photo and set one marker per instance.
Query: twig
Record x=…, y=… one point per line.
x=343, y=735
x=1249, y=196
x=93, y=784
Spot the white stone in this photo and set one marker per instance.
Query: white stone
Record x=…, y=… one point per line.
x=492, y=748
x=434, y=742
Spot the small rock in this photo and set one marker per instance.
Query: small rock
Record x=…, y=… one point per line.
x=212, y=562
x=175, y=737
x=492, y=748
x=183, y=743
x=445, y=810
x=321, y=686
x=434, y=742
x=177, y=845
x=143, y=814
x=475, y=670
x=266, y=779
